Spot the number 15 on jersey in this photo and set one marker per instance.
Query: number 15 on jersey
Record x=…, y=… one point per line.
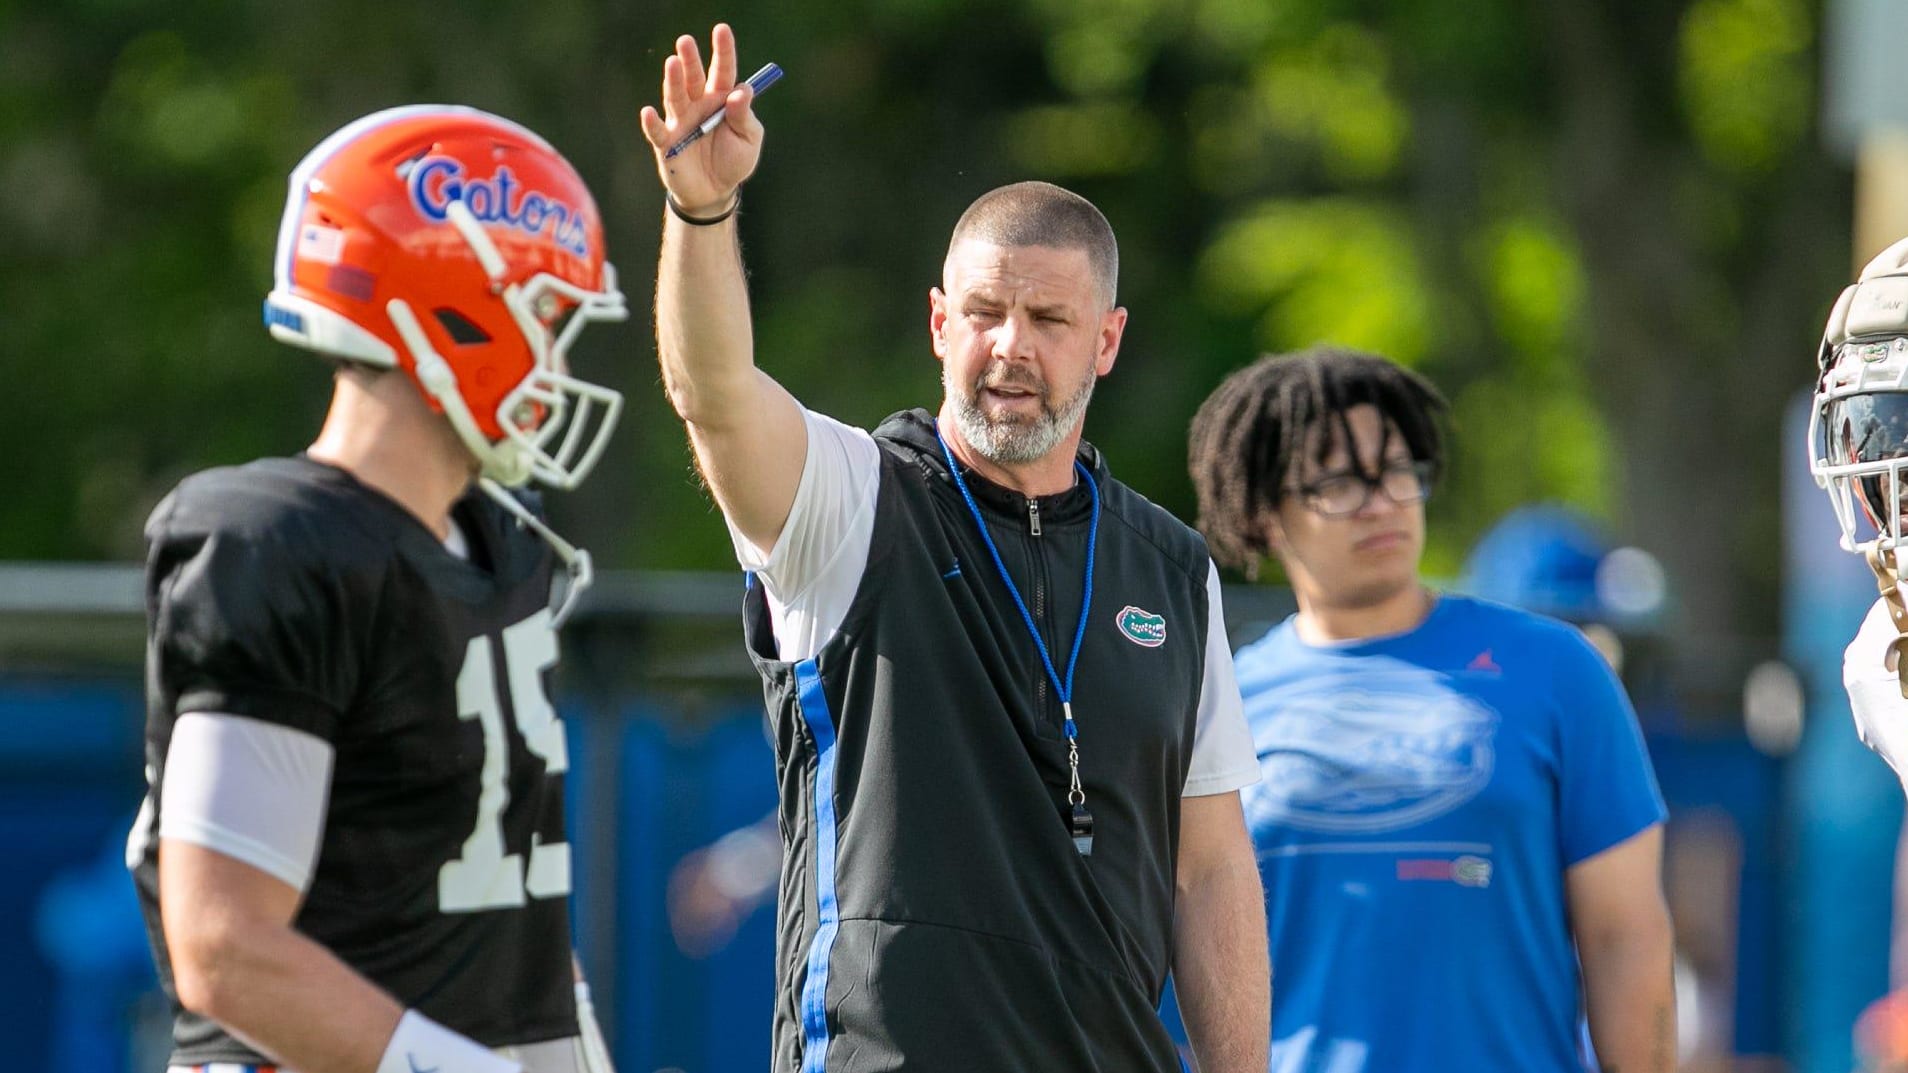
x=484, y=876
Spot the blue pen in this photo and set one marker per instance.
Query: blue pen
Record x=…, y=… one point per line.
x=759, y=81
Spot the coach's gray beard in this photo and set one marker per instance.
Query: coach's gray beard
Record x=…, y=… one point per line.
x=1008, y=443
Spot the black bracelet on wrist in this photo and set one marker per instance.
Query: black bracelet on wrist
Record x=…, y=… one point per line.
x=702, y=221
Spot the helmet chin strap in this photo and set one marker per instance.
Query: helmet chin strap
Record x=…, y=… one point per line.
x=577, y=561
x=1886, y=564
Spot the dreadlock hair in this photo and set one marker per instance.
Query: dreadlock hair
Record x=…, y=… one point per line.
x=1249, y=432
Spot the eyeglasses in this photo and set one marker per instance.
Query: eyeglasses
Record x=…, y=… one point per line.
x=1348, y=493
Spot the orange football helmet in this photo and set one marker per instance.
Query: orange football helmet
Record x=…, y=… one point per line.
x=461, y=248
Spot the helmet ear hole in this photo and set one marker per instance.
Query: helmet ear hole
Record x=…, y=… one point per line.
x=462, y=331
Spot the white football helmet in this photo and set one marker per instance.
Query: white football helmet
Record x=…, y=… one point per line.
x=1858, y=426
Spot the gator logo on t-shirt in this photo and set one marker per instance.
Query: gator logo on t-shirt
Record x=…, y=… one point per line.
x=1142, y=627
x=1381, y=756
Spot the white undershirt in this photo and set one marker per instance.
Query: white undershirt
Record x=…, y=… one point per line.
x=811, y=575
x=251, y=790
x=456, y=542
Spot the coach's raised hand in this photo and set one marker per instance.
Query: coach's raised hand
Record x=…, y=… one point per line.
x=703, y=179
x=748, y=433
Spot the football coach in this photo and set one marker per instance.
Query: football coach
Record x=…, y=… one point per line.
x=1008, y=738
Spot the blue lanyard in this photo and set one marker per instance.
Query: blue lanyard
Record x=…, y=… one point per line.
x=1080, y=821
x=1063, y=688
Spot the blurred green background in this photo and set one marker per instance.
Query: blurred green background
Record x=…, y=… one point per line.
x=1606, y=229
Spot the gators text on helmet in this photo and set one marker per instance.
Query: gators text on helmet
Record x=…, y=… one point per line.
x=460, y=248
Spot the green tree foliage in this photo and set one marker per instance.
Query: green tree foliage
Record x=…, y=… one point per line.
x=1602, y=227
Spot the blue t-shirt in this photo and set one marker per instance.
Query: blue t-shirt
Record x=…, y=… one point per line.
x=1424, y=794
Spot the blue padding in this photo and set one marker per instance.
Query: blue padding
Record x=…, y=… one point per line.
x=706, y=1009
x=69, y=723
x=739, y=986
x=589, y=807
x=1727, y=782
x=61, y=848
x=642, y=922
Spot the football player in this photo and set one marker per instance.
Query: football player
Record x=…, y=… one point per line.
x=352, y=855
x=1858, y=448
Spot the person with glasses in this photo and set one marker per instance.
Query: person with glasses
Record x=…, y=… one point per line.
x=1456, y=809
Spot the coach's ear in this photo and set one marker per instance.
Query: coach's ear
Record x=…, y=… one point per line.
x=937, y=321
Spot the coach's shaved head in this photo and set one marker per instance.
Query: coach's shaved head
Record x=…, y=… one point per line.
x=1042, y=214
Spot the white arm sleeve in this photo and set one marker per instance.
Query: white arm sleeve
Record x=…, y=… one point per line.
x=1874, y=691
x=1224, y=758
x=811, y=574
x=251, y=790
x=421, y=1045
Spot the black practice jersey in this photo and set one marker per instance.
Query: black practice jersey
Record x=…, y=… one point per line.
x=286, y=591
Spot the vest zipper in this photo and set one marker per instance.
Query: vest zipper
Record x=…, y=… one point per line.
x=1033, y=515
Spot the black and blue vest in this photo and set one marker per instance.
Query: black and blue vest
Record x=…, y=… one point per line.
x=934, y=914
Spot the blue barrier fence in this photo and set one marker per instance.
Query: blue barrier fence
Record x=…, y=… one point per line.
x=77, y=990
x=649, y=789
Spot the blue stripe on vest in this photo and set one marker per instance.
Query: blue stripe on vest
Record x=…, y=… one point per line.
x=821, y=723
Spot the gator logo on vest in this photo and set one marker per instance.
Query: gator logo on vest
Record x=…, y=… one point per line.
x=1141, y=626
